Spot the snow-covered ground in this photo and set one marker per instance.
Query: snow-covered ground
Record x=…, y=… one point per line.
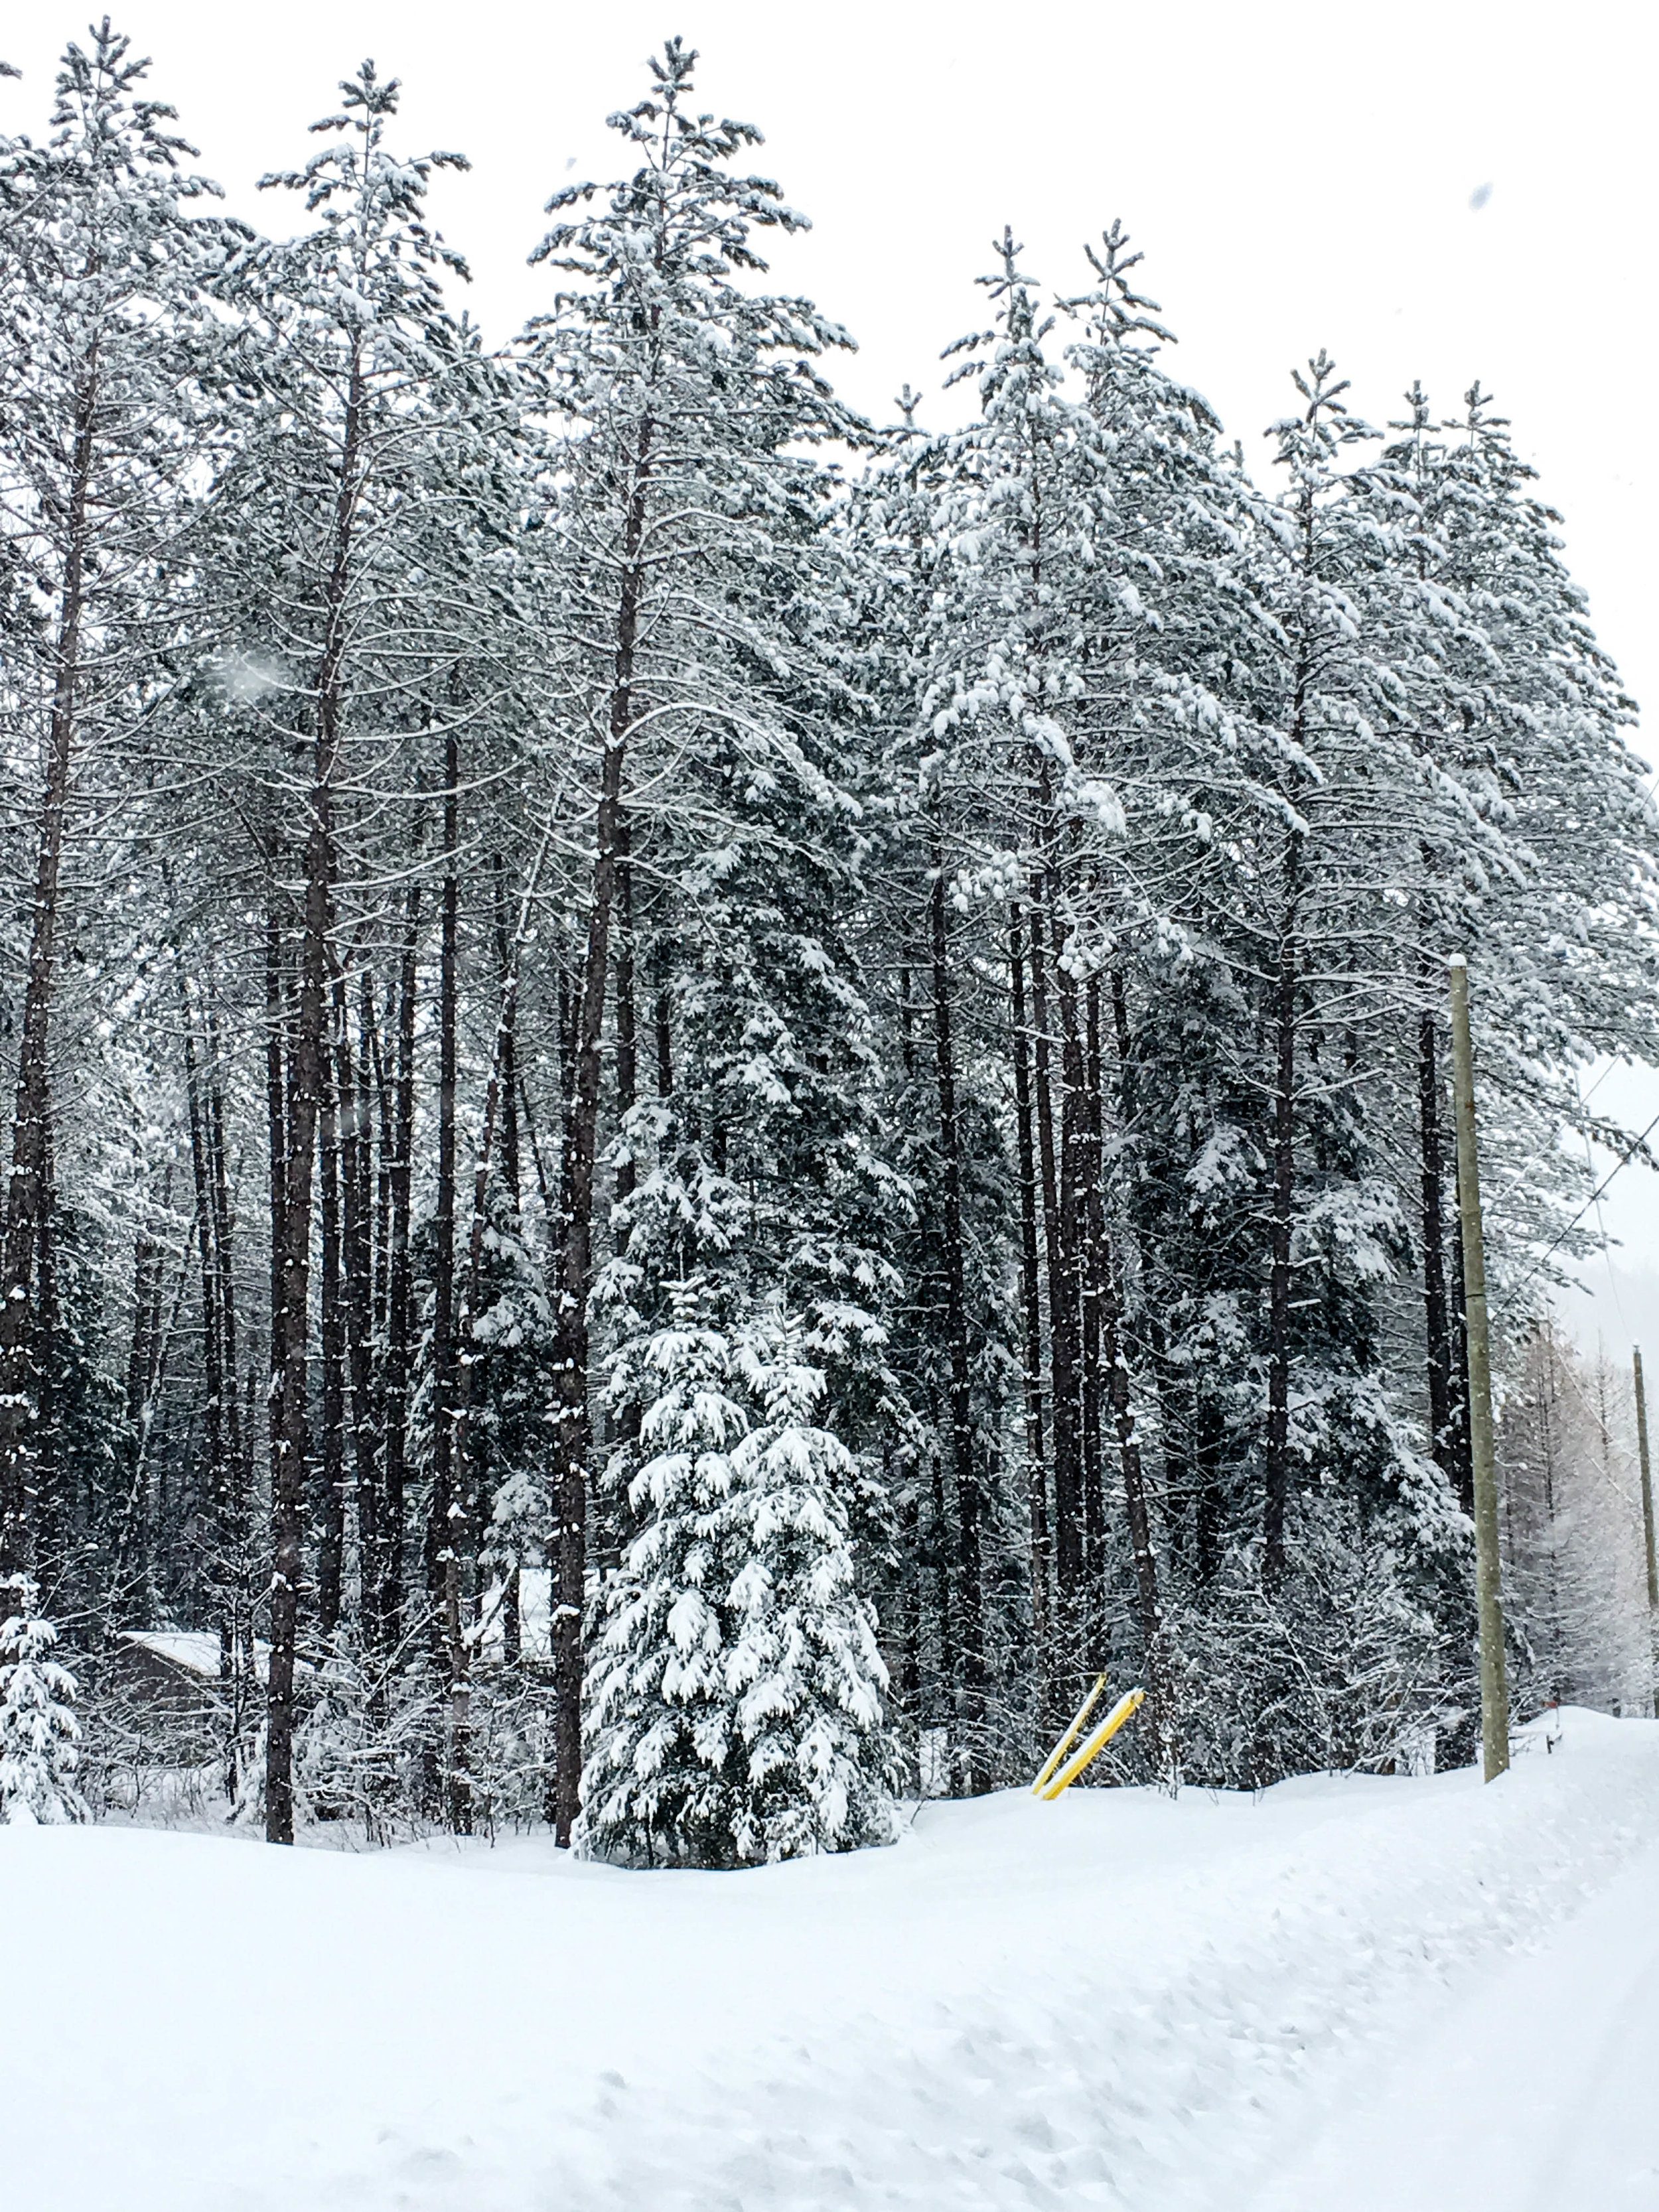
x=1345, y=1996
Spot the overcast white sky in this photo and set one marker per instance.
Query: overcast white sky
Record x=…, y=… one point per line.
x=1466, y=190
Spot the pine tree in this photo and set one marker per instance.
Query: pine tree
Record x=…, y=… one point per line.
x=685, y=520
x=345, y=528
x=103, y=421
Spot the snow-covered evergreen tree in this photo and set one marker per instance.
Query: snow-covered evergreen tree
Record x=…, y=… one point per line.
x=40, y=1735
x=736, y=1692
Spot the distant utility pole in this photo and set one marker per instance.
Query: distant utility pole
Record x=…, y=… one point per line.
x=1647, y=1529
x=1488, y=1581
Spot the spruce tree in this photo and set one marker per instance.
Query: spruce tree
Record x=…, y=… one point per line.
x=736, y=1691
x=40, y=1735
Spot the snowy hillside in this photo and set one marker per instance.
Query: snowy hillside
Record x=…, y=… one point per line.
x=1219, y=2002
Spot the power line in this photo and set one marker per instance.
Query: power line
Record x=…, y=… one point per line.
x=1623, y=1162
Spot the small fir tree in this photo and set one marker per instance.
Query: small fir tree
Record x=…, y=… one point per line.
x=735, y=1696
x=40, y=1736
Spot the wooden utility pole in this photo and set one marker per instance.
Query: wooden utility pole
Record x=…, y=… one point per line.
x=1494, y=1687
x=1647, y=1522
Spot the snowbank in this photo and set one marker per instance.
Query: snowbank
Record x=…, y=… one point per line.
x=1112, y=2000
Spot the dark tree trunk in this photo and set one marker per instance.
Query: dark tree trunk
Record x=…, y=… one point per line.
x=133, y=1548
x=1062, y=1330
x=291, y=1457
x=911, y=1610
x=287, y=1497
x=970, y=1596
x=332, y=1466
x=53, y=1507
x=662, y=1021
x=1031, y=1296
x=550, y=1212
x=136, y=1559
x=213, y=1346
x=1278, y=1465
x=357, y=1259
x=1106, y=1281
x=570, y=1344
x=444, y=1510
x=233, y=1533
x=1438, y=1321
x=628, y=1059
x=507, y=964
x=25, y=1191
x=498, y=1114
x=399, y=1287
x=306, y=1087
x=940, y=1560
x=1073, y=1294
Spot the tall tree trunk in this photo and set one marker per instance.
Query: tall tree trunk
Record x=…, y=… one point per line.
x=235, y=1534
x=236, y=1663
x=506, y=964
x=969, y=1591
x=332, y=1458
x=147, y=1263
x=1030, y=1305
x=662, y=1022
x=445, y=1511
x=1436, y=1318
x=628, y=1058
x=1106, y=1279
x=213, y=1348
x=287, y=1497
x=290, y=1460
x=136, y=1542
x=499, y=1114
x=357, y=1165
x=1070, y=1295
x=570, y=1344
x=51, y=1504
x=1062, y=1335
x=307, y=1073
x=1278, y=1467
x=504, y=1082
x=25, y=1191
x=399, y=1286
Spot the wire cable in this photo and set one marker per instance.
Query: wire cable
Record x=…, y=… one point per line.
x=1624, y=1161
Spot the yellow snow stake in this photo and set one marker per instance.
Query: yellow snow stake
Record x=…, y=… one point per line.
x=1070, y=1737
x=1127, y=1706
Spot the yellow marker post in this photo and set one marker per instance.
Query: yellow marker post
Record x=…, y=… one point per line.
x=1125, y=1707
x=1070, y=1737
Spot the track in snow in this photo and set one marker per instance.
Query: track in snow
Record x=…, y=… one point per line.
x=1538, y=2091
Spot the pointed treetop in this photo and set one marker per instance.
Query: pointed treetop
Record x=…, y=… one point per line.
x=715, y=140
x=369, y=96
x=94, y=108
x=1119, y=309
x=682, y=215
x=373, y=201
